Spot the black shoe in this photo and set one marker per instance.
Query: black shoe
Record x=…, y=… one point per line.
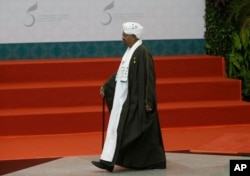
x=102, y=166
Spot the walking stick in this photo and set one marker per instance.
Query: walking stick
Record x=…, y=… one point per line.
x=103, y=120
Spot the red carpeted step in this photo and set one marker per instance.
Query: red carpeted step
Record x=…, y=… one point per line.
x=205, y=113
x=198, y=89
x=101, y=68
x=32, y=121
x=189, y=66
x=89, y=119
x=47, y=94
x=57, y=70
x=81, y=93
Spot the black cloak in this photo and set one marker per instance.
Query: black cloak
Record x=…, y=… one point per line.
x=139, y=139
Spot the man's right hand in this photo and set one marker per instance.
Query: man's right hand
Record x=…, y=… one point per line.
x=102, y=91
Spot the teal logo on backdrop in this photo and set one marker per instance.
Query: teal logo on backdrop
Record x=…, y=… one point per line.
x=30, y=17
x=107, y=14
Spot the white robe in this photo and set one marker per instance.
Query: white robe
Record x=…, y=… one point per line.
x=121, y=92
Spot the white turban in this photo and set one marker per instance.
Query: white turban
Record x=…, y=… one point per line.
x=133, y=28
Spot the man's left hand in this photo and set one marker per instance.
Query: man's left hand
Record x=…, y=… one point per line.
x=148, y=108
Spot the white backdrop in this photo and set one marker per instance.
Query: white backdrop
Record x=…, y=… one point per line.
x=24, y=21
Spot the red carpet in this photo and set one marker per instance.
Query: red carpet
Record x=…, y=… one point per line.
x=233, y=139
x=225, y=140
x=52, y=108
x=231, y=143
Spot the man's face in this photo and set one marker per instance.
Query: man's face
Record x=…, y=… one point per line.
x=128, y=40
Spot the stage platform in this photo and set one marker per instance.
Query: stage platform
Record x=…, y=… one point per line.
x=177, y=164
